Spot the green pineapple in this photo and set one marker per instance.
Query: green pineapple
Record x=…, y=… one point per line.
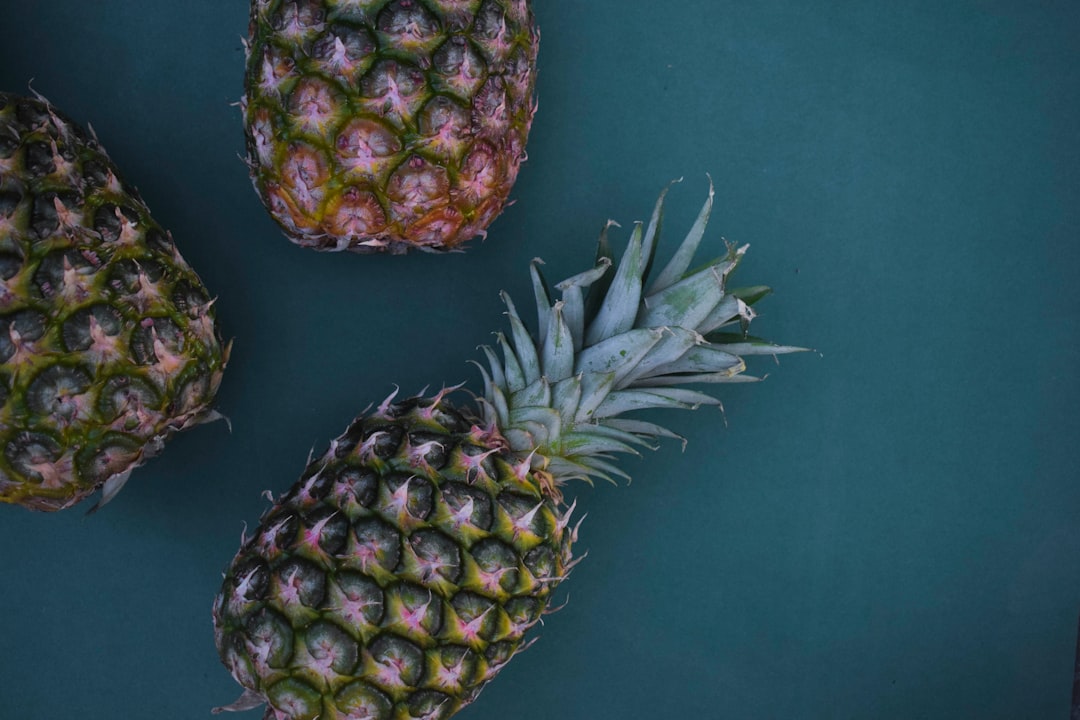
x=406, y=566
x=385, y=126
x=108, y=343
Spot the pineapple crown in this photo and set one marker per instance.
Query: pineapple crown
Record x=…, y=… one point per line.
x=619, y=341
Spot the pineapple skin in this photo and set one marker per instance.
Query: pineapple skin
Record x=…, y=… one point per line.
x=397, y=577
x=376, y=126
x=108, y=341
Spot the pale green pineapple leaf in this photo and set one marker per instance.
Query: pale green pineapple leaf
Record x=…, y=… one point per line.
x=497, y=376
x=685, y=303
x=680, y=380
x=729, y=310
x=619, y=354
x=598, y=289
x=587, y=278
x=574, y=302
x=488, y=403
x=620, y=306
x=557, y=355
x=497, y=400
x=624, y=401
x=750, y=295
x=584, y=443
x=595, y=388
x=701, y=359
x=543, y=301
x=673, y=344
x=652, y=231
x=534, y=416
x=682, y=258
x=643, y=428
x=574, y=316
x=535, y=393
x=566, y=469
x=566, y=396
x=601, y=468
x=607, y=430
x=515, y=378
x=524, y=345
x=740, y=344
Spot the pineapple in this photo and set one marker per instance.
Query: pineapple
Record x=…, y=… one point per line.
x=407, y=565
x=107, y=337
x=378, y=126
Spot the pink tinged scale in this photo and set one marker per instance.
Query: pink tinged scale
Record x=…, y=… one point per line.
x=391, y=671
x=413, y=618
x=364, y=146
x=54, y=472
x=77, y=283
x=352, y=607
x=314, y=106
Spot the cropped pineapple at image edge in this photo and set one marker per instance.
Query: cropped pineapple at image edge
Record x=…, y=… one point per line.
x=377, y=126
x=108, y=341
x=407, y=565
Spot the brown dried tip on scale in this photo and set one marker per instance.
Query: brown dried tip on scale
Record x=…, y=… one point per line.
x=376, y=126
x=108, y=342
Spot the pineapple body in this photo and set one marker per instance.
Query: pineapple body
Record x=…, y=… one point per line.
x=410, y=560
x=398, y=576
x=108, y=342
x=388, y=126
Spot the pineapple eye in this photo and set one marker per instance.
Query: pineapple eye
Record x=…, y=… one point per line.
x=400, y=656
x=123, y=394
x=457, y=497
x=9, y=200
x=363, y=594
x=95, y=174
x=271, y=635
x=437, y=554
x=411, y=22
x=31, y=115
x=362, y=484
x=78, y=330
x=112, y=457
x=299, y=580
x=334, y=532
x=50, y=275
x=10, y=263
x=251, y=579
x=39, y=159
x=142, y=339
x=18, y=329
x=43, y=218
x=359, y=699
x=490, y=21
x=499, y=565
x=331, y=646
x=53, y=392
x=377, y=542
x=33, y=454
x=541, y=563
x=107, y=221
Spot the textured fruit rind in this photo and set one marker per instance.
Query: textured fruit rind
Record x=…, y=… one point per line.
x=388, y=126
x=108, y=342
x=397, y=577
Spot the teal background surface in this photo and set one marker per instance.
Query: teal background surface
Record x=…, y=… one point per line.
x=889, y=528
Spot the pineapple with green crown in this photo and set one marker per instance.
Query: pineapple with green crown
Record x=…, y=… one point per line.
x=407, y=565
x=108, y=342
x=387, y=126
